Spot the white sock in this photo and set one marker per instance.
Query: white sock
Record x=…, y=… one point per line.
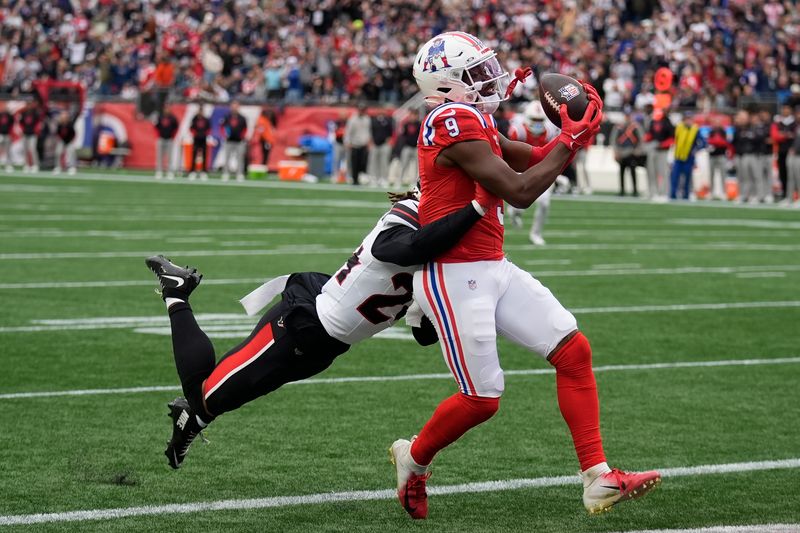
x=202, y=424
x=590, y=474
x=172, y=301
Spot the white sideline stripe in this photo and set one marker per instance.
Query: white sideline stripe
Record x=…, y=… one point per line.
x=238, y=368
x=758, y=528
x=239, y=320
x=367, y=495
x=597, y=270
x=415, y=377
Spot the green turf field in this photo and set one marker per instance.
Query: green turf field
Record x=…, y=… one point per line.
x=681, y=292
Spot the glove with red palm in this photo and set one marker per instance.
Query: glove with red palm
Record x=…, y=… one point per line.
x=577, y=134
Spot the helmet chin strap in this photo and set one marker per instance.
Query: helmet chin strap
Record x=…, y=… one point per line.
x=520, y=75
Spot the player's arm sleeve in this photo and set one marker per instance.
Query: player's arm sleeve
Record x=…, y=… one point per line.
x=521, y=156
x=406, y=246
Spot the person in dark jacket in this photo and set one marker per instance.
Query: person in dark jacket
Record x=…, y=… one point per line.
x=234, y=128
x=380, y=154
x=200, y=128
x=65, y=143
x=782, y=134
x=718, y=154
x=166, y=128
x=30, y=121
x=6, y=124
x=660, y=137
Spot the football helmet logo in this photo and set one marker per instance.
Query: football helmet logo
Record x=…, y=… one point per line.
x=458, y=67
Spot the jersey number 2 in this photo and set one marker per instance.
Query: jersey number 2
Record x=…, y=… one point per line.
x=371, y=307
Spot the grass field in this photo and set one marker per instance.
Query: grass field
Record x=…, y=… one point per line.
x=671, y=297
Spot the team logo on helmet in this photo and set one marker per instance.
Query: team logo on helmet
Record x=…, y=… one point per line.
x=569, y=91
x=435, y=54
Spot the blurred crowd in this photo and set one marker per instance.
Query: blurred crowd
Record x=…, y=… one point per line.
x=724, y=52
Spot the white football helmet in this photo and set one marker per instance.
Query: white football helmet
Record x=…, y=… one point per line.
x=534, y=117
x=457, y=67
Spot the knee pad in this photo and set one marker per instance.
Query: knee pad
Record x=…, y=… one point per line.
x=574, y=357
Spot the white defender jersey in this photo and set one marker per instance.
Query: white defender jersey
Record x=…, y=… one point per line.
x=366, y=295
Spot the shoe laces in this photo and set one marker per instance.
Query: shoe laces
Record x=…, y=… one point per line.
x=415, y=486
x=618, y=475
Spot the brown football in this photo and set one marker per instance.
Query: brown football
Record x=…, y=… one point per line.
x=557, y=89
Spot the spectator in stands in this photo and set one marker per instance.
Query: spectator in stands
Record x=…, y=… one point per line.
x=6, y=124
x=626, y=141
x=30, y=120
x=718, y=156
x=793, y=165
x=661, y=136
x=65, y=143
x=265, y=133
x=166, y=129
x=347, y=49
x=380, y=154
x=782, y=134
x=234, y=129
x=357, y=140
x=200, y=128
x=164, y=79
x=403, y=168
x=687, y=142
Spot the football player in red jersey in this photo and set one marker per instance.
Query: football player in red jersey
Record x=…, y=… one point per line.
x=472, y=292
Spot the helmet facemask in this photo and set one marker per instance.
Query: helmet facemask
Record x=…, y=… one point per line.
x=486, y=84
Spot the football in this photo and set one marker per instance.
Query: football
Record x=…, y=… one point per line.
x=557, y=89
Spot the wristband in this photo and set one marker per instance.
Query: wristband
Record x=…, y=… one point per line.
x=478, y=207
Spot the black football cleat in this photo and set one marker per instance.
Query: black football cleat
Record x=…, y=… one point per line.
x=175, y=281
x=184, y=430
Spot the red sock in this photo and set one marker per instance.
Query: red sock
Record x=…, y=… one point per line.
x=455, y=416
x=577, y=399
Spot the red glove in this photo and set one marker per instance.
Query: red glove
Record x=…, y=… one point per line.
x=577, y=134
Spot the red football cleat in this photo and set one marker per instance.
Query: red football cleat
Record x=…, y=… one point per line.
x=607, y=490
x=410, y=485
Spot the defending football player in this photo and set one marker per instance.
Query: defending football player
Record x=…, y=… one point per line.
x=317, y=319
x=472, y=292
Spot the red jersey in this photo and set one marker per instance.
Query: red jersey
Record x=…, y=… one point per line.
x=448, y=189
x=518, y=132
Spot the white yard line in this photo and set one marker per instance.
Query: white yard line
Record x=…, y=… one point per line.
x=368, y=495
x=757, y=528
x=744, y=271
x=746, y=275
x=685, y=307
x=418, y=377
x=634, y=246
x=287, y=250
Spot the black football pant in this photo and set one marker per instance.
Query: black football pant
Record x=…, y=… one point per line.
x=199, y=146
x=267, y=359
